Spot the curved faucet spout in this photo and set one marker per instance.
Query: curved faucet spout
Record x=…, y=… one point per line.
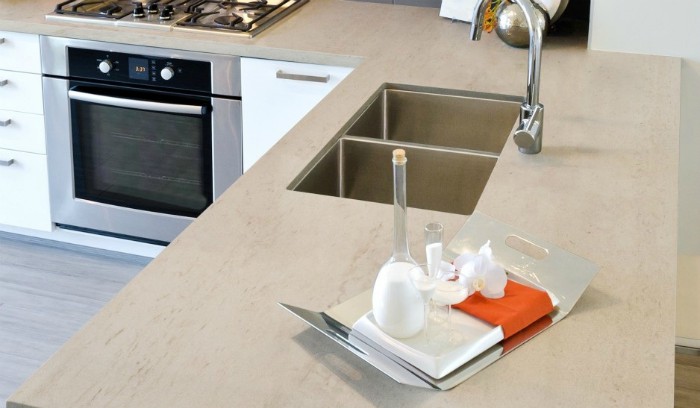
x=478, y=19
x=529, y=133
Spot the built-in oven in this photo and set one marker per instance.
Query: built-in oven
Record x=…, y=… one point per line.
x=140, y=140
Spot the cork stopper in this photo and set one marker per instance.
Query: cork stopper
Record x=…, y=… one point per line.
x=399, y=156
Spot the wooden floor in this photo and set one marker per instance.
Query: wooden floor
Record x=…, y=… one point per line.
x=48, y=291
x=687, y=380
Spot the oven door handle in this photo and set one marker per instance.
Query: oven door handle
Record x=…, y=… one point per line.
x=137, y=104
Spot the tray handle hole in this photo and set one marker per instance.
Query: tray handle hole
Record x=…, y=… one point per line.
x=526, y=247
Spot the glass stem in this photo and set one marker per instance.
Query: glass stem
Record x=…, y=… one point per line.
x=449, y=317
x=426, y=310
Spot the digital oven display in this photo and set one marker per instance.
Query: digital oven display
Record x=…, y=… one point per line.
x=138, y=68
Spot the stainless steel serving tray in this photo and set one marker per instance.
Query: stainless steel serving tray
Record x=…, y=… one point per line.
x=524, y=257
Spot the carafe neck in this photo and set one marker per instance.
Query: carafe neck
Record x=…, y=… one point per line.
x=400, y=252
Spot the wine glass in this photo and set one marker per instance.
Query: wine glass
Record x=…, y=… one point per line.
x=433, y=246
x=422, y=280
x=450, y=290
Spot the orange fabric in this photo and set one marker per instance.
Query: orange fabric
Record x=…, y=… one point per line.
x=517, y=309
x=523, y=335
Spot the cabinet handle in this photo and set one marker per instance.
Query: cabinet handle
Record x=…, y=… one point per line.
x=3, y=82
x=301, y=77
x=7, y=163
x=5, y=122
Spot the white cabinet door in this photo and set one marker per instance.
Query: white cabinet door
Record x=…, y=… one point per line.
x=21, y=92
x=276, y=95
x=24, y=190
x=20, y=52
x=22, y=131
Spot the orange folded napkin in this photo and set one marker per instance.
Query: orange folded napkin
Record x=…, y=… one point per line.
x=525, y=334
x=517, y=309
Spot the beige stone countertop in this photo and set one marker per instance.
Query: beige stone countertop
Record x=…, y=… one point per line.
x=200, y=326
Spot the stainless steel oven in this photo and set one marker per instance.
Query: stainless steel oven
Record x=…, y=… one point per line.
x=140, y=140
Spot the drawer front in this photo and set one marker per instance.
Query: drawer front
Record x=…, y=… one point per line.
x=20, y=52
x=22, y=131
x=286, y=90
x=20, y=92
x=24, y=190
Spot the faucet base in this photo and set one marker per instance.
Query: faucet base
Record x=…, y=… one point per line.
x=533, y=150
x=528, y=135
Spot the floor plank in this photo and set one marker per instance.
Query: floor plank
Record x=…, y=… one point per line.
x=687, y=381
x=48, y=292
x=14, y=367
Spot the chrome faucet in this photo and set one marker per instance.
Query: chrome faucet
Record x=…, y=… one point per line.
x=528, y=135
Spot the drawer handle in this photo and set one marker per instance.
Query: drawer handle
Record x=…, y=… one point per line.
x=7, y=163
x=5, y=122
x=3, y=82
x=301, y=77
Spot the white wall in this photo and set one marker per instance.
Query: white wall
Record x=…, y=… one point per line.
x=668, y=27
x=672, y=28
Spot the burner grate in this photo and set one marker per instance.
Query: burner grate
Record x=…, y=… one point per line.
x=95, y=8
x=236, y=17
x=231, y=15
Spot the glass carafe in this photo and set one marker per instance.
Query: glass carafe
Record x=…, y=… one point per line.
x=396, y=304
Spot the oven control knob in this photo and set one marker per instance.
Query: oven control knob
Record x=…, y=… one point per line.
x=167, y=73
x=105, y=66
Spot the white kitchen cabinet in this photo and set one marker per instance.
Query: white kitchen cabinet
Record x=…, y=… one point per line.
x=24, y=190
x=20, y=52
x=20, y=91
x=24, y=180
x=276, y=95
x=22, y=131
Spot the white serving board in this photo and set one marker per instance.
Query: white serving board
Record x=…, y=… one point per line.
x=444, y=350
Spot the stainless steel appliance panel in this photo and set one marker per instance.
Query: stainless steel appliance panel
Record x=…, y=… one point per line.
x=226, y=69
x=65, y=208
x=221, y=116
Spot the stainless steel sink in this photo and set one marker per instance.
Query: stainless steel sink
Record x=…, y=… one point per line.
x=452, y=141
x=436, y=179
x=447, y=118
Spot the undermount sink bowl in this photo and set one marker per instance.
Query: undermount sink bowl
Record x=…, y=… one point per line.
x=447, y=118
x=436, y=179
x=452, y=141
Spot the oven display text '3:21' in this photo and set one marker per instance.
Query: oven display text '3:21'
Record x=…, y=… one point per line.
x=138, y=68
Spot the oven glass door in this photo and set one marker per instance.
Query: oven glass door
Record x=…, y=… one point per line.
x=141, y=149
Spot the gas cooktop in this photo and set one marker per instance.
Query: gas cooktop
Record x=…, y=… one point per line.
x=243, y=18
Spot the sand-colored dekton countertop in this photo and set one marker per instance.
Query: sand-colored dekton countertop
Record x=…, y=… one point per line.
x=200, y=325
